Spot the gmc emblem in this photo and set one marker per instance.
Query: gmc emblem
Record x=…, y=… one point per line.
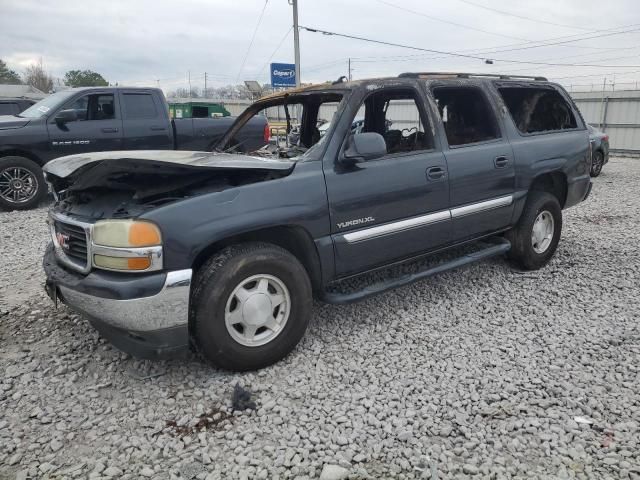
x=63, y=240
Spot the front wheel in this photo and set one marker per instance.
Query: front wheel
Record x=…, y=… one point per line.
x=251, y=306
x=535, y=238
x=597, y=162
x=22, y=184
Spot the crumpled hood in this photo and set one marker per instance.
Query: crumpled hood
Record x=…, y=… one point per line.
x=10, y=122
x=64, y=166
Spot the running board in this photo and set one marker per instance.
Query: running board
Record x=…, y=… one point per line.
x=498, y=246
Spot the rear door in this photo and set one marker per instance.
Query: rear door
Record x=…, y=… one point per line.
x=98, y=126
x=479, y=157
x=396, y=206
x=146, y=121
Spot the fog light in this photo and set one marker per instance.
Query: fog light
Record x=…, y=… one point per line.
x=121, y=263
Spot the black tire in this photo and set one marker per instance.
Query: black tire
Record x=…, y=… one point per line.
x=522, y=252
x=214, y=285
x=597, y=162
x=33, y=189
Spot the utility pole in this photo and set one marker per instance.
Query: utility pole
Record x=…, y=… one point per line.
x=205, y=84
x=349, y=69
x=296, y=39
x=189, y=75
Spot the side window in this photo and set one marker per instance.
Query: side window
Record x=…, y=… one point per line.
x=466, y=115
x=538, y=109
x=139, y=105
x=93, y=107
x=9, y=108
x=396, y=116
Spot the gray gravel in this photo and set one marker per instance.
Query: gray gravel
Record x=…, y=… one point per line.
x=481, y=373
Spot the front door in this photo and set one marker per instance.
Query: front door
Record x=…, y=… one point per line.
x=395, y=206
x=480, y=161
x=98, y=126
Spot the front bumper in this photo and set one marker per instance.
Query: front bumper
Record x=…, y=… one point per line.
x=144, y=315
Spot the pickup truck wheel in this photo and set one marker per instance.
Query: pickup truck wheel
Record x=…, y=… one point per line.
x=535, y=238
x=251, y=306
x=597, y=163
x=22, y=184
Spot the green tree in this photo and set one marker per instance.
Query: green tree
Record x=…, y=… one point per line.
x=84, y=78
x=7, y=76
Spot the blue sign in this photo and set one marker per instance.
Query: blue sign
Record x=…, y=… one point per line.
x=283, y=75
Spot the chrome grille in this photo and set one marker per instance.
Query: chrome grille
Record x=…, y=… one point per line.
x=71, y=242
x=76, y=243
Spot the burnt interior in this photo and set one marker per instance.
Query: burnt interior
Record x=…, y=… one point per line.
x=302, y=117
x=538, y=109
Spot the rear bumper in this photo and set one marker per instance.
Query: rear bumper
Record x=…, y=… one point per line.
x=146, y=316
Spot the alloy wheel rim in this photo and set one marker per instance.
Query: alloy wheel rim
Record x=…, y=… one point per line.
x=257, y=310
x=17, y=185
x=542, y=232
x=598, y=161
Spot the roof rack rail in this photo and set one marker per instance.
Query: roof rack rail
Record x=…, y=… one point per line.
x=469, y=75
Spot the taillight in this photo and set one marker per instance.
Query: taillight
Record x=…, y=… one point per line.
x=266, y=135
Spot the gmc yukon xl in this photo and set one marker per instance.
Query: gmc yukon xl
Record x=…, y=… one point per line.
x=95, y=119
x=224, y=252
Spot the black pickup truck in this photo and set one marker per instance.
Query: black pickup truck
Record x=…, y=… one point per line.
x=224, y=252
x=96, y=119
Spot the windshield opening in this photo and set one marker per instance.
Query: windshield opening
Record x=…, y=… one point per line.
x=46, y=105
x=296, y=126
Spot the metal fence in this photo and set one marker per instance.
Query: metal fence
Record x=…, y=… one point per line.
x=616, y=113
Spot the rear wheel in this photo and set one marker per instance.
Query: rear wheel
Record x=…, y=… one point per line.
x=22, y=184
x=597, y=162
x=251, y=306
x=535, y=239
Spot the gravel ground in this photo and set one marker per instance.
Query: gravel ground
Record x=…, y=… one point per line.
x=484, y=372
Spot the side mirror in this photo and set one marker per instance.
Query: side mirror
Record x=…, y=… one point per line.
x=362, y=147
x=66, y=116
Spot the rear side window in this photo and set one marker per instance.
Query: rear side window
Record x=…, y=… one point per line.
x=466, y=115
x=139, y=105
x=538, y=109
x=9, y=108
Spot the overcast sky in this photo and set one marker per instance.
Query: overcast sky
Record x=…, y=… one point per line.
x=138, y=42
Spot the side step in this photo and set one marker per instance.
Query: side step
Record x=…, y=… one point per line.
x=498, y=246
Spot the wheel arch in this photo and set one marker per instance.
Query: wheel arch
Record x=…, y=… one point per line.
x=554, y=183
x=293, y=238
x=17, y=152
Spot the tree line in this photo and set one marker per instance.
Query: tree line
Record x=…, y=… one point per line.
x=36, y=76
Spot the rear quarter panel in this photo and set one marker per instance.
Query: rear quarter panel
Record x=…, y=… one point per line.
x=539, y=153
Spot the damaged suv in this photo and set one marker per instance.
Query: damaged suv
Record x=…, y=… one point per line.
x=223, y=252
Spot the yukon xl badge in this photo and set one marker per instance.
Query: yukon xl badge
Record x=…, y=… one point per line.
x=356, y=221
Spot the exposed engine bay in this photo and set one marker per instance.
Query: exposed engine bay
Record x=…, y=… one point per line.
x=125, y=184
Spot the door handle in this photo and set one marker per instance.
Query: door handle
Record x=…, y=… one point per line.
x=501, y=162
x=109, y=130
x=436, y=173
x=158, y=129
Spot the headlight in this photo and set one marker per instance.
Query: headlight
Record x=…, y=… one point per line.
x=126, y=245
x=126, y=233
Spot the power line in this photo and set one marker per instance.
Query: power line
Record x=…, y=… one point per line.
x=523, y=17
x=436, y=19
x=253, y=37
x=275, y=51
x=455, y=54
